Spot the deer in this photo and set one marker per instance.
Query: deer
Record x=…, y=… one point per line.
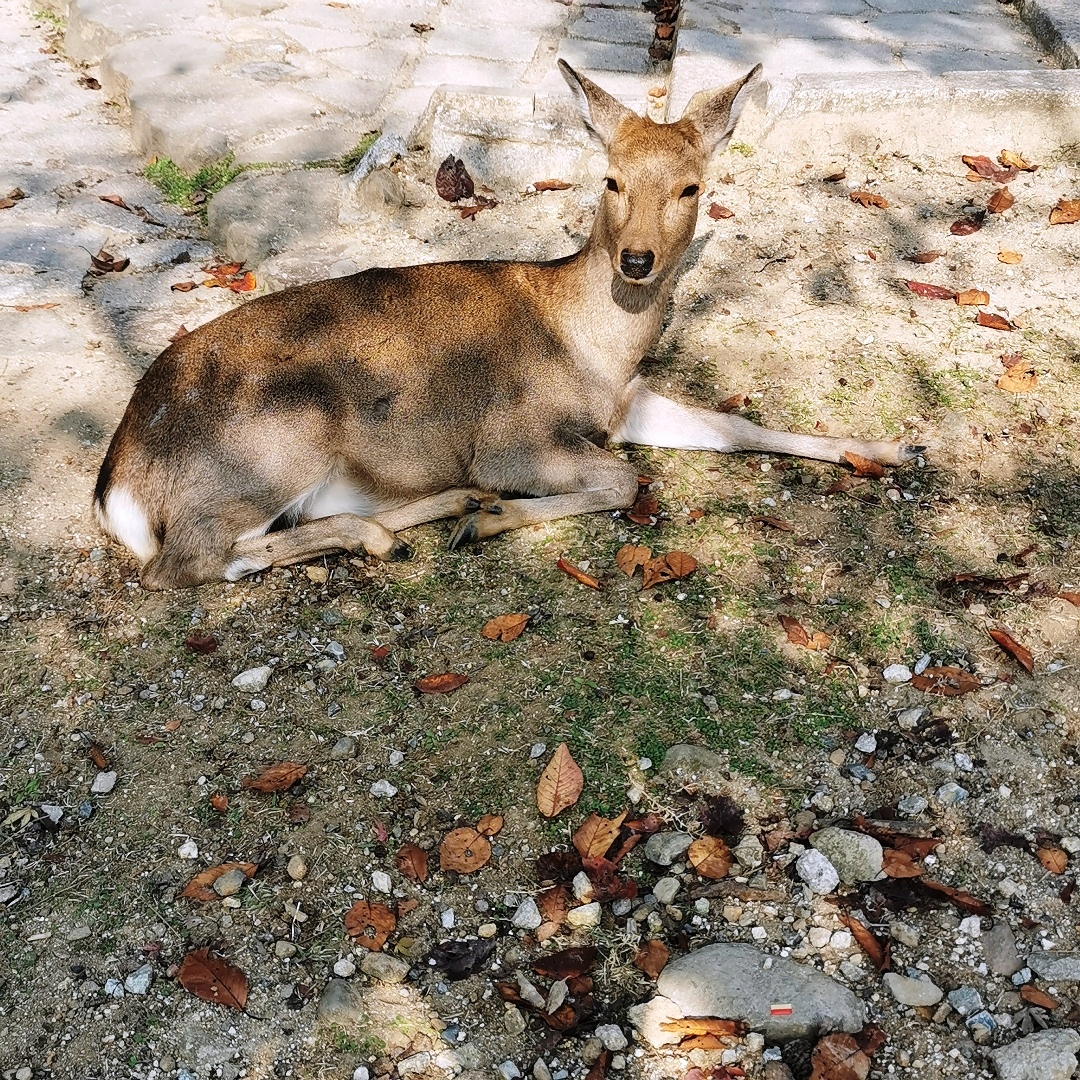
x=328, y=417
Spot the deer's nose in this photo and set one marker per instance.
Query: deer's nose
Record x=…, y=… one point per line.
x=636, y=264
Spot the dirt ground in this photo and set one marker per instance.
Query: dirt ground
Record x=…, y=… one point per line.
x=797, y=303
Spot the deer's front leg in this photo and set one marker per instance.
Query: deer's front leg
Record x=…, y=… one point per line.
x=653, y=420
x=565, y=482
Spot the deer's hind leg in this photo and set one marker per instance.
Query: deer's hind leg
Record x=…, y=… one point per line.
x=564, y=482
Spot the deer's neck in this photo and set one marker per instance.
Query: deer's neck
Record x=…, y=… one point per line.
x=607, y=324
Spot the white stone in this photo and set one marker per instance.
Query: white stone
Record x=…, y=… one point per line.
x=527, y=916
x=611, y=1035
x=897, y=673
x=103, y=783
x=344, y=968
x=380, y=881
x=188, y=850
x=254, y=679
x=585, y=916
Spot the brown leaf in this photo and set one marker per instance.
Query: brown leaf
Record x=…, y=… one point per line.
x=116, y=200
x=445, y=683
x=1000, y=201
x=1013, y=160
x=930, y=292
x=651, y=958
x=993, y=321
x=1053, y=859
x=577, y=573
x=1009, y=257
x=774, y=522
x=596, y=835
x=452, y=181
x=839, y=1057
x=1039, y=998
x=972, y=298
x=988, y=170
x=1018, y=378
x=710, y=857
x=868, y=198
x=924, y=256
x=220, y=802
x=182, y=331
x=877, y=951
x=718, y=212
x=946, y=681
x=244, y=283
x=464, y=850
x=957, y=897
x=504, y=627
x=864, y=466
x=630, y=556
x=278, y=777
x=201, y=641
x=606, y=883
x=212, y=979
x=200, y=887
x=567, y=963
x=795, y=631
x=730, y=404
x=490, y=825
x=560, y=784
x=14, y=196
x=899, y=864
x=184, y=286
x=552, y=185
x=671, y=567
x=554, y=903
x=644, y=510
x=688, y=1026
x=966, y=226
x=1017, y=651
x=599, y=1068
x=104, y=263
x=1072, y=597
x=1066, y=212
x=370, y=925
x=412, y=862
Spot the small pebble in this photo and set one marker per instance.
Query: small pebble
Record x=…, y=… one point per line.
x=396, y=757
x=866, y=743
x=950, y=793
x=537, y=750
x=254, y=679
x=527, y=916
x=897, y=673
x=297, y=867
x=188, y=850
x=911, y=806
x=284, y=949
x=583, y=917
x=383, y=789
x=447, y=919
x=380, y=881
x=344, y=968
x=230, y=883
x=344, y=748
x=487, y=930
x=103, y=783
x=611, y=1035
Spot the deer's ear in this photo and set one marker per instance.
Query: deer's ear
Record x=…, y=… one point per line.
x=600, y=111
x=716, y=112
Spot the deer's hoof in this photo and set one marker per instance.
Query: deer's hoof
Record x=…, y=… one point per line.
x=908, y=452
x=400, y=552
x=465, y=533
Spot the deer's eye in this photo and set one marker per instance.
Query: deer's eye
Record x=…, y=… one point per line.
x=612, y=183
x=690, y=191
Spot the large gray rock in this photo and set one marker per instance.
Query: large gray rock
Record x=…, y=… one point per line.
x=740, y=982
x=687, y=762
x=1055, y=966
x=999, y=948
x=856, y=856
x=1046, y=1055
x=341, y=1003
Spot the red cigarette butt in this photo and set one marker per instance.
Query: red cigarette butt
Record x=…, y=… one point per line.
x=780, y=1010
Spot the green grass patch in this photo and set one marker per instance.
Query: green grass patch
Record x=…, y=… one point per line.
x=191, y=190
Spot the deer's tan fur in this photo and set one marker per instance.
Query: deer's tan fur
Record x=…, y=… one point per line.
x=328, y=417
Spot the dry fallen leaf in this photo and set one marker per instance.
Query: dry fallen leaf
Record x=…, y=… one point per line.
x=219, y=802
x=670, y=567
x=490, y=824
x=984, y=167
x=1000, y=201
x=201, y=886
x=504, y=627
x=13, y=196
x=718, y=212
x=1066, y=212
x=551, y=185
x=577, y=573
x=924, y=256
x=596, y=835
x=710, y=857
x=930, y=292
x=412, y=862
x=444, y=683
x=868, y=198
x=1009, y=257
x=630, y=556
x=464, y=850
x=864, y=466
x=1072, y=597
x=839, y=1057
x=278, y=777
x=452, y=181
x=972, y=298
x=1053, y=859
x=1018, y=652
x=370, y=925
x=1039, y=998
x=946, y=681
x=651, y=958
x=900, y=864
x=201, y=641
x=1013, y=160
x=212, y=979
x=560, y=784
x=993, y=321
x=243, y=283
x=1018, y=378
x=966, y=226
